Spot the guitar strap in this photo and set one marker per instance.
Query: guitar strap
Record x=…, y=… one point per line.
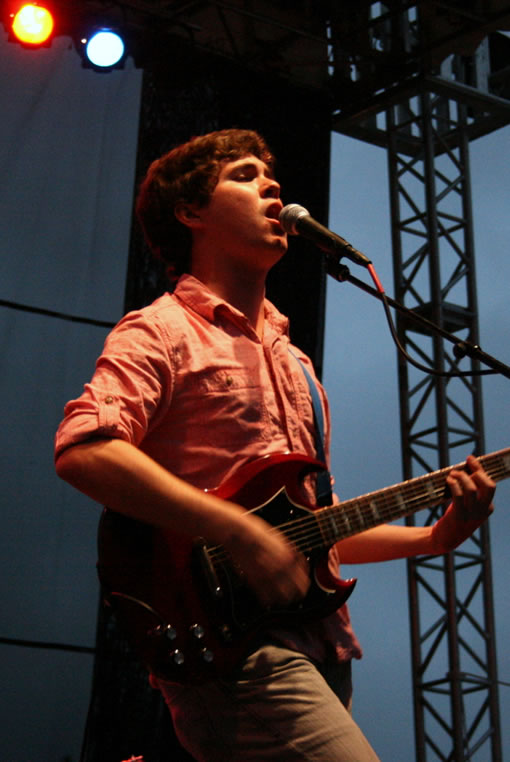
x=323, y=493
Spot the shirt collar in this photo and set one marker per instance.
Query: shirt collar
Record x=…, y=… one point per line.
x=201, y=300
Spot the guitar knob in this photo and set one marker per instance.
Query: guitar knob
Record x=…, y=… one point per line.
x=165, y=631
x=170, y=632
x=226, y=633
x=177, y=657
x=207, y=655
x=197, y=631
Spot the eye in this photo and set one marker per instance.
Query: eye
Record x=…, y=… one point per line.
x=243, y=175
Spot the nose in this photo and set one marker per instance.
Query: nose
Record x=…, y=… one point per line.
x=270, y=188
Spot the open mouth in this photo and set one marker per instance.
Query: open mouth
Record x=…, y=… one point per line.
x=273, y=214
x=273, y=211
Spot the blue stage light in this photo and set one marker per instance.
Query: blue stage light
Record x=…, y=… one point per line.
x=104, y=48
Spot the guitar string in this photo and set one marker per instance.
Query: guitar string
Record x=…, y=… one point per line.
x=298, y=530
x=409, y=494
x=307, y=533
x=365, y=512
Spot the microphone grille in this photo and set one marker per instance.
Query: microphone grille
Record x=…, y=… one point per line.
x=289, y=216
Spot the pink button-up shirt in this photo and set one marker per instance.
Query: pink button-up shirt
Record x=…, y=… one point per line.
x=189, y=382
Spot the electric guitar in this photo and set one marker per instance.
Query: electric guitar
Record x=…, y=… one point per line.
x=186, y=607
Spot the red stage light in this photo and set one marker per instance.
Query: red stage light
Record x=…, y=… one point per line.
x=33, y=24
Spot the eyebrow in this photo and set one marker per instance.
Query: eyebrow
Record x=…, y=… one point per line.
x=249, y=164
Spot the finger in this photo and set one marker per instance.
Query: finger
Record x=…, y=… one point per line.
x=486, y=487
x=294, y=585
x=481, y=478
x=458, y=483
x=279, y=594
x=472, y=494
x=281, y=584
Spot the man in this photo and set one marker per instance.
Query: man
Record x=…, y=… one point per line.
x=200, y=383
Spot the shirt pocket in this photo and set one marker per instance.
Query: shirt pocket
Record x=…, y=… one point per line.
x=222, y=406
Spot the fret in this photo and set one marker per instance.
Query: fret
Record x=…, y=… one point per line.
x=360, y=517
x=399, y=500
x=498, y=466
x=334, y=523
x=330, y=525
x=375, y=516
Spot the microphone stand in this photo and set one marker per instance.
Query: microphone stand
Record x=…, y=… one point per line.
x=461, y=349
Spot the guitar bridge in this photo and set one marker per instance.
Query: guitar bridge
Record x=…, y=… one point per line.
x=203, y=558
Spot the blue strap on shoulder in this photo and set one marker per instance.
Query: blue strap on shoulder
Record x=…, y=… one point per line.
x=323, y=493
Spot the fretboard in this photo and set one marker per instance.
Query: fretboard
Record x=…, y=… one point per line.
x=328, y=525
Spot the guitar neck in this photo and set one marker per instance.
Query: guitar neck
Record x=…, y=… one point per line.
x=358, y=514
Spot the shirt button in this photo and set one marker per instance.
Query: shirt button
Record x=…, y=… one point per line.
x=229, y=380
x=108, y=400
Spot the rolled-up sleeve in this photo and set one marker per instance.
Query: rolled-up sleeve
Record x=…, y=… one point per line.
x=131, y=386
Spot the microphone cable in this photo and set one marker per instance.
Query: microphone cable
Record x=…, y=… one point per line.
x=402, y=350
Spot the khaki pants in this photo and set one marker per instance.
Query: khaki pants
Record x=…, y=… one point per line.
x=280, y=708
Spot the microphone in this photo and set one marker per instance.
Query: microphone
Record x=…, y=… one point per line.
x=296, y=220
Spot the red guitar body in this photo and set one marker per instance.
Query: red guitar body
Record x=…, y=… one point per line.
x=186, y=608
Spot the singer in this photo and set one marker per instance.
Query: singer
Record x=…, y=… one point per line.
x=198, y=384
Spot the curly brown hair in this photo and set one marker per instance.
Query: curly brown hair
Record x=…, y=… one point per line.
x=188, y=173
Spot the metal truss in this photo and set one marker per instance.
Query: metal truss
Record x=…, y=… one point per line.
x=452, y=621
x=424, y=108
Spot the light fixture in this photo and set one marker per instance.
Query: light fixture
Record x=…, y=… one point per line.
x=32, y=24
x=104, y=49
x=102, y=46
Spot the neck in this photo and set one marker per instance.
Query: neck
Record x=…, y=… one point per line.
x=243, y=290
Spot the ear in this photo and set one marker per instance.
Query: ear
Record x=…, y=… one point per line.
x=188, y=214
